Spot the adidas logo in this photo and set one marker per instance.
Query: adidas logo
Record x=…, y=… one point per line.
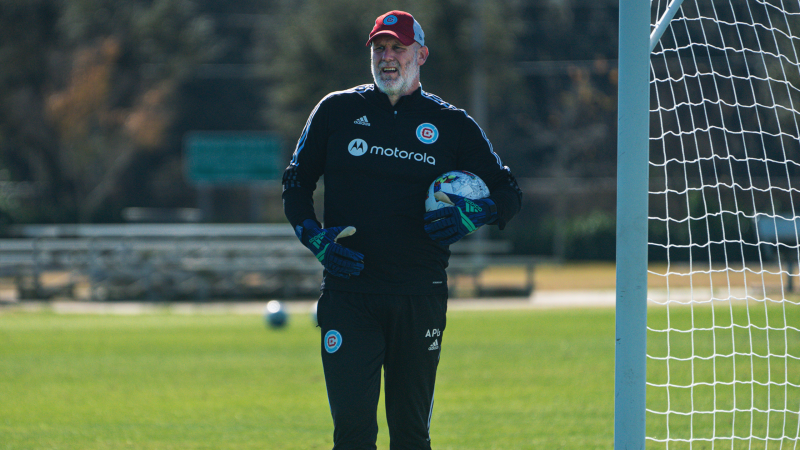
x=472, y=207
x=434, y=346
x=317, y=240
x=362, y=121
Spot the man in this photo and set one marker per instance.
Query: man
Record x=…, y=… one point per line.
x=384, y=288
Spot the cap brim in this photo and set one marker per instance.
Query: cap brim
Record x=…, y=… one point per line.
x=405, y=40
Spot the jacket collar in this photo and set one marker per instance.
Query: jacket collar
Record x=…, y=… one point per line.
x=405, y=102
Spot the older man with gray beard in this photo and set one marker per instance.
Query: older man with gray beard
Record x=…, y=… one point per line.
x=384, y=288
x=395, y=66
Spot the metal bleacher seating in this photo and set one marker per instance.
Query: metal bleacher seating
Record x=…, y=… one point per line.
x=166, y=262
x=778, y=240
x=160, y=261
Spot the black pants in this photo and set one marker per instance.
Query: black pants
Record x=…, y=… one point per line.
x=362, y=333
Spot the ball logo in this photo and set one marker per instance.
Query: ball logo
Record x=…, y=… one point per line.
x=357, y=147
x=333, y=340
x=427, y=133
x=390, y=20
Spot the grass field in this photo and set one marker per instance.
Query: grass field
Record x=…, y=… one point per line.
x=508, y=380
x=602, y=276
x=517, y=379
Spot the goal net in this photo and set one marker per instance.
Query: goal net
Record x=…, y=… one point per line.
x=723, y=327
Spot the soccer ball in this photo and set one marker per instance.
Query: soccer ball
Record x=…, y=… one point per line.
x=274, y=315
x=458, y=182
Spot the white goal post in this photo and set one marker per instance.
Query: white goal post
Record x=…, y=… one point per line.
x=708, y=219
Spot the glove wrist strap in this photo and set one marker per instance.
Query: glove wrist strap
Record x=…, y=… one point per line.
x=492, y=218
x=300, y=229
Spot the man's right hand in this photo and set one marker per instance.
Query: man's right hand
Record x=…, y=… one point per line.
x=337, y=260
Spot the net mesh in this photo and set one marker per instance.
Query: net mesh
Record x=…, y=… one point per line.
x=723, y=351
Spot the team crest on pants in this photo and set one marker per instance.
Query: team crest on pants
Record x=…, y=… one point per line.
x=333, y=340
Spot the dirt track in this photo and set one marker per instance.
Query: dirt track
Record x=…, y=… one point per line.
x=540, y=299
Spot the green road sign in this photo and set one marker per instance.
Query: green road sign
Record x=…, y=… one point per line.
x=235, y=157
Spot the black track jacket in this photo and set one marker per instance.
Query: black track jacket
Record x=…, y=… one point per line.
x=378, y=162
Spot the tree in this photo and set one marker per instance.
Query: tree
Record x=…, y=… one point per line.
x=311, y=54
x=28, y=146
x=99, y=91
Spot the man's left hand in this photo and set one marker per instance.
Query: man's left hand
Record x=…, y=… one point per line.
x=450, y=224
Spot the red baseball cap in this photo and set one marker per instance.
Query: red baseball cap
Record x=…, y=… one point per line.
x=399, y=24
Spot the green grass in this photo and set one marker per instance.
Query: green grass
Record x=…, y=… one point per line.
x=522, y=379
x=733, y=363
x=507, y=380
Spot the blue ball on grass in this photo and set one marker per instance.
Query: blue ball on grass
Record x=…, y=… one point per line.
x=275, y=315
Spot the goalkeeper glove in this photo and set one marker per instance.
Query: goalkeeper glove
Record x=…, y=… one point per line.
x=337, y=260
x=449, y=224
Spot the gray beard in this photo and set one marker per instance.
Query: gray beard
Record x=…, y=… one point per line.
x=400, y=85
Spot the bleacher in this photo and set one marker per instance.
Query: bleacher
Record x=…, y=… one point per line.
x=199, y=262
x=778, y=236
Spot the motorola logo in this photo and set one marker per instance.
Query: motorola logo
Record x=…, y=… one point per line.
x=357, y=147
